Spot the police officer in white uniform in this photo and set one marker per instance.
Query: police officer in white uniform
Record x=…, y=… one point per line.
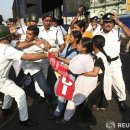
x=7, y=86
x=112, y=49
x=51, y=34
x=21, y=33
x=55, y=39
x=95, y=26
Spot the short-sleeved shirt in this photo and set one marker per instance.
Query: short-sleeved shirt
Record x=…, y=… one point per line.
x=53, y=36
x=97, y=29
x=63, y=31
x=7, y=55
x=32, y=67
x=68, y=52
x=81, y=63
x=112, y=42
x=112, y=45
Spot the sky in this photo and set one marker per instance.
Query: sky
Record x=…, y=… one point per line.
x=6, y=8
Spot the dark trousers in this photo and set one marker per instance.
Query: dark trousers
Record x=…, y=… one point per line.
x=39, y=77
x=97, y=97
x=51, y=80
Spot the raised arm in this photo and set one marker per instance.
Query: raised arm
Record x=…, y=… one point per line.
x=125, y=29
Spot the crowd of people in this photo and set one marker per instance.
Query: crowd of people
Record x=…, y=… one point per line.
x=89, y=51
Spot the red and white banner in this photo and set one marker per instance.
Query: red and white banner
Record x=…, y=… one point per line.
x=65, y=85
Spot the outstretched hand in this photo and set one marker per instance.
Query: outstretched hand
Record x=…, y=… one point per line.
x=47, y=46
x=43, y=44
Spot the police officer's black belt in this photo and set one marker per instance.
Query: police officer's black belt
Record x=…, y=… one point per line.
x=115, y=58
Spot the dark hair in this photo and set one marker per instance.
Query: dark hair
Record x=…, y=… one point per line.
x=1, y=19
x=81, y=24
x=45, y=15
x=77, y=34
x=99, y=42
x=54, y=20
x=35, y=29
x=87, y=43
x=11, y=20
x=83, y=9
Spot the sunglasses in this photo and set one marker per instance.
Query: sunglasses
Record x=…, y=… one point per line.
x=108, y=21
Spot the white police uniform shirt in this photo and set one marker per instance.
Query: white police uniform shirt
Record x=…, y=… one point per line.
x=89, y=28
x=7, y=86
x=53, y=36
x=63, y=31
x=97, y=29
x=32, y=67
x=112, y=44
x=7, y=55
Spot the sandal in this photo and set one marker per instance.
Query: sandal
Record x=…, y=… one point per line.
x=95, y=108
x=102, y=109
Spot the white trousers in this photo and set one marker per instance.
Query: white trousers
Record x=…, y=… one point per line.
x=17, y=66
x=71, y=105
x=44, y=65
x=38, y=89
x=118, y=82
x=10, y=89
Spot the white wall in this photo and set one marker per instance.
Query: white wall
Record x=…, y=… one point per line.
x=6, y=8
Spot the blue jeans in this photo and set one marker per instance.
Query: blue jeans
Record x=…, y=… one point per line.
x=61, y=101
x=39, y=77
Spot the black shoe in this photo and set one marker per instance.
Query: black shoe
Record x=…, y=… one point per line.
x=85, y=124
x=51, y=117
x=122, y=105
x=7, y=111
x=62, y=121
x=52, y=108
x=41, y=99
x=28, y=123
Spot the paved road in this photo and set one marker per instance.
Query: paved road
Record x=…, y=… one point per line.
x=39, y=112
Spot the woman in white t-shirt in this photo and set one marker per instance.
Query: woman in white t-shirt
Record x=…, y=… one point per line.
x=81, y=63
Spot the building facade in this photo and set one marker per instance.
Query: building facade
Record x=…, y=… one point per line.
x=100, y=7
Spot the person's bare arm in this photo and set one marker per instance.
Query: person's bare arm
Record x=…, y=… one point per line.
x=62, y=46
x=33, y=56
x=24, y=44
x=79, y=12
x=93, y=73
x=66, y=61
x=125, y=29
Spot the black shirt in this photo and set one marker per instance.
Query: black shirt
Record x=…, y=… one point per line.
x=99, y=63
